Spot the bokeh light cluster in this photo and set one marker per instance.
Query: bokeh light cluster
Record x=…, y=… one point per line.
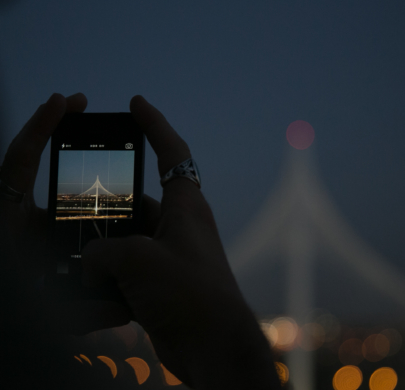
x=284, y=334
x=351, y=377
x=337, y=345
x=142, y=370
x=353, y=356
x=129, y=356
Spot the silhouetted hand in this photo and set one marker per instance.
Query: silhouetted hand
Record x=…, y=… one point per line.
x=23, y=228
x=24, y=225
x=179, y=285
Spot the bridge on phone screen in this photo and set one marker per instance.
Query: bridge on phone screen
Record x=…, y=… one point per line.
x=98, y=187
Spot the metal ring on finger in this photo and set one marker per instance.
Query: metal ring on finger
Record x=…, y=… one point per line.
x=187, y=169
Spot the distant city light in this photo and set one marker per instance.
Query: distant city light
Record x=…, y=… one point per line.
x=283, y=372
x=395, y=340
x=347, y=378
x=330, y=325
x=375, y=347
x=300, y=134
x=141, y=368
x=77, y=358
x=287, y=331
x=384, y=378
x=350, y=352
x=170, y=379
x=86, y=359
x=270, y=332
x=311, y=336
x=110, y=363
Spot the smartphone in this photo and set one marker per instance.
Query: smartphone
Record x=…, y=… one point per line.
x=95, y=191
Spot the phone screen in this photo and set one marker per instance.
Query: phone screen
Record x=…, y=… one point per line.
x=95, y=191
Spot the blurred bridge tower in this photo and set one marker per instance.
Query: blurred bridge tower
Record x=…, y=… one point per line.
x=297, y=223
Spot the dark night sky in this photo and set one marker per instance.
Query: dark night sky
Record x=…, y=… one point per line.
x=230, y=76
x=78, y=170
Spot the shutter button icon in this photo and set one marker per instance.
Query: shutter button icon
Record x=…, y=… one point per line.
x=129, y=146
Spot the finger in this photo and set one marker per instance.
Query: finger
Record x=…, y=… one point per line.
x=169, y=147
x=171, y=150
x=76, y=103
x=150, y=215
x=23, y=156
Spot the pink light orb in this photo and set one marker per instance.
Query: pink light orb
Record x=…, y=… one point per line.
x=300, y=134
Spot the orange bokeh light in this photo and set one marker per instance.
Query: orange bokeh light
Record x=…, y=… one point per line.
x=141, y=368
x=330, y=325
x=110, y=363
x=170, y=379
x=77, y=358
x=350, y=352
x=270, y=332
x=287, y=331
x=384, y=378
x=311, y=336
x=347, y=378
x=86, y=359
x=395, y=340
x=375, y=347
x=282, y=372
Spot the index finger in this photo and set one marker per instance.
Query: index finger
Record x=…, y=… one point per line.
x=23, y=155
x=171, y=150
x=169, y=147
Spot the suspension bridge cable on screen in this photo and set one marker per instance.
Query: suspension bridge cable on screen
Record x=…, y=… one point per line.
x=97, y=185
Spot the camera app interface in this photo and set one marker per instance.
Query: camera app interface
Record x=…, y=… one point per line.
x=94, y=195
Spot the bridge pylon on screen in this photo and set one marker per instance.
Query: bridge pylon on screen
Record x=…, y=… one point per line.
x=98, y=186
